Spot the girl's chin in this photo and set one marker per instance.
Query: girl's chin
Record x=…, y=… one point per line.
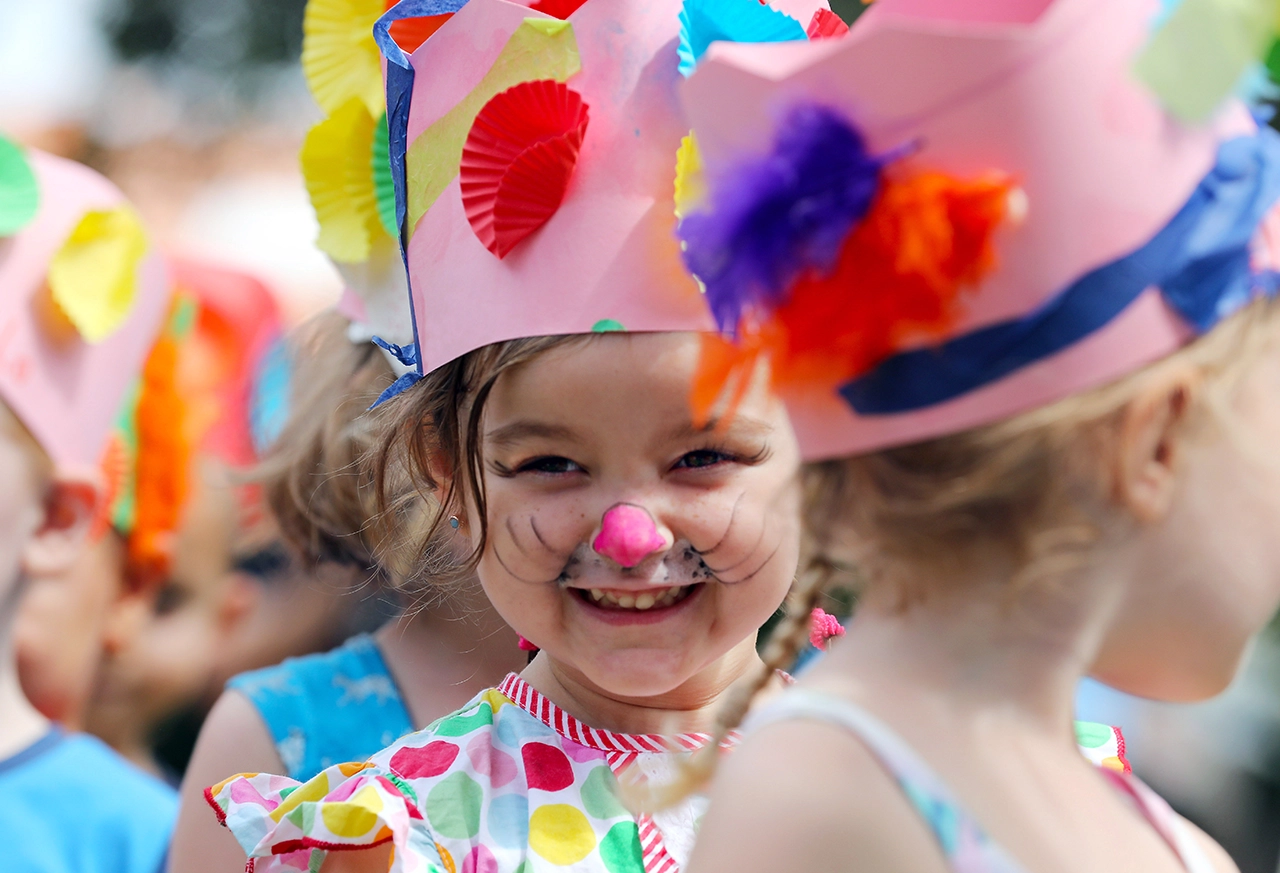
x=639, y=675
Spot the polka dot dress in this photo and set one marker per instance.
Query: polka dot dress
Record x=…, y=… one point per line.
x=508, y=784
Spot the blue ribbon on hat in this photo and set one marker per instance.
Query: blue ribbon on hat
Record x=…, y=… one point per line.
x=399, y=85
x=406, y=355
x=1200, y=261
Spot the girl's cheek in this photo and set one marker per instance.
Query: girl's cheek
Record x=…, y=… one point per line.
x=538, y=529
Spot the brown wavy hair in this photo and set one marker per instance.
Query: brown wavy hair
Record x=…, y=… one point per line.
x=316, y=476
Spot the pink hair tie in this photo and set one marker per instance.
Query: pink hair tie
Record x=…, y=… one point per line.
x=822, y=627
x=526, y=646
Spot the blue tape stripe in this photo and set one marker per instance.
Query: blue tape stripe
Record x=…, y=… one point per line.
x=1200, y=261
x=399, y=85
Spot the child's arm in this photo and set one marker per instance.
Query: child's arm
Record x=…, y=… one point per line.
x=232, y=740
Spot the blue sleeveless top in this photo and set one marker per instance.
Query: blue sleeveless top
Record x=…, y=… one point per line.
x=328, y=708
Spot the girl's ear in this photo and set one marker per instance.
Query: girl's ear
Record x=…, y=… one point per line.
x=442, y=473
x=1150, y=443
x=68, y=513
x=440, y=470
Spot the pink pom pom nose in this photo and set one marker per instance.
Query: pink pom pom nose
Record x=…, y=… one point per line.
x=627, y=535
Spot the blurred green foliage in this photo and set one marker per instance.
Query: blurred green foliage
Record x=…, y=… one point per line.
x=234, y=36
x=848, y=9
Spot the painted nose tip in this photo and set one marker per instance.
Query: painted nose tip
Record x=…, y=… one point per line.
x=627, y=535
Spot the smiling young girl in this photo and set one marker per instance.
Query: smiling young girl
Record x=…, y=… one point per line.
x=1019, y=290
x=557, y=337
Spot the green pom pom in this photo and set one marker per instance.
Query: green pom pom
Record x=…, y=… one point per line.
x=606, y=325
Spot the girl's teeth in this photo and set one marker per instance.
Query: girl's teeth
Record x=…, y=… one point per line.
x=645, y=600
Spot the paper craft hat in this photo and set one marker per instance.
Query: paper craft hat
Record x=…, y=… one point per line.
x=84, y=295
x=963, y=210
x=533, y=150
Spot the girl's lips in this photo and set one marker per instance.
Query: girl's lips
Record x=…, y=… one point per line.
x=611, y=607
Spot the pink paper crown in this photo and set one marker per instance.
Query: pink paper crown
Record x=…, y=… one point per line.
x=963, y=210
x=534, y=148
x=84, y=296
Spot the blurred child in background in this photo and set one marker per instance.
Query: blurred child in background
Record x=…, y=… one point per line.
x=1016, y=272
x=445, y=646
x=227, y=582
x=83, y=298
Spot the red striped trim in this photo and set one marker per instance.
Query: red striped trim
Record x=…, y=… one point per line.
x=528, y=698
x=1120, y=749
x=286, y=847
x=652, y=850
x=217, y=810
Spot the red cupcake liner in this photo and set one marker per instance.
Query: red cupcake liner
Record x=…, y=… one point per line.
x=826, y=24
x=518, y=160
x=559, y=8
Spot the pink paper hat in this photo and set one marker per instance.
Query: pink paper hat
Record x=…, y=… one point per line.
x=534, y=158
x=960, y=211
x=84, y=296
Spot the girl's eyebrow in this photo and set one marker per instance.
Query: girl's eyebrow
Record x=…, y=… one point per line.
x=519, y=431
x=739, y=425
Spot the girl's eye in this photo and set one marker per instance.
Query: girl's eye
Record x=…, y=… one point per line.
x=549, y=466
x=702, y=458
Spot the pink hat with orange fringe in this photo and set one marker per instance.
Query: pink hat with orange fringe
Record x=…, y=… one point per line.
x=215, y=384
x=533, y=152
x=84, y=295
x=963, y=210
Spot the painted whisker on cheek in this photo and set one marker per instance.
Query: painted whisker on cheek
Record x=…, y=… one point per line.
x=759, y=569
x=561, y=554
x=750, y=553
x=515, y=537
x=501, y=562
x=727, y=527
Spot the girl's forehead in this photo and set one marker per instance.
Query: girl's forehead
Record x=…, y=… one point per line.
x=608, y=363
x=634, y=383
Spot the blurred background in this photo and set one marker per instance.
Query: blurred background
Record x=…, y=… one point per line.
x=197, y=109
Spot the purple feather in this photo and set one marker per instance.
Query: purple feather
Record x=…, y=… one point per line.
x=770, y=219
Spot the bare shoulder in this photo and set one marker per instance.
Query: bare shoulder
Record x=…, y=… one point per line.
x=233, y=740
x=808, y=795
x=1222, y=862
